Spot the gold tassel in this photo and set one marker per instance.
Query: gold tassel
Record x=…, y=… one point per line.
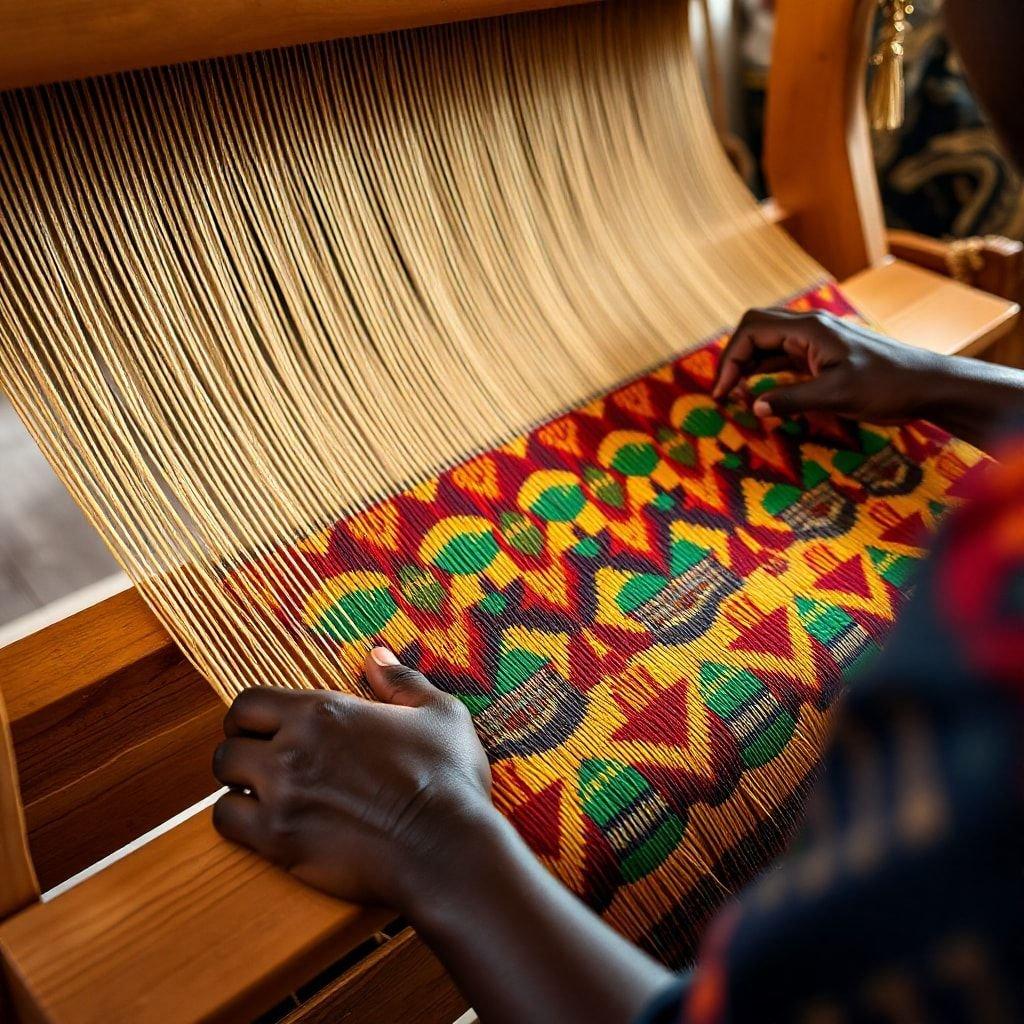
x=887, y=102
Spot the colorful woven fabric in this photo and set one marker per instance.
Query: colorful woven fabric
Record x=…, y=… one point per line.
x=649, y=605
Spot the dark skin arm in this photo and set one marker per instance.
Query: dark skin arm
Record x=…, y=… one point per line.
x=852, y=371
x=389, y=803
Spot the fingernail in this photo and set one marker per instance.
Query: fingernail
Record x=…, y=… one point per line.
x=762, y=408
x=383, y=657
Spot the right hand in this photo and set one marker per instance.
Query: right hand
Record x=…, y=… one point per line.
x=846, y=369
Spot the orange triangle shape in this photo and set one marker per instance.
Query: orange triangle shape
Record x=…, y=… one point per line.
x=478, y=477
x=702, y=366
x=377, y=526
x=517, y=446
x=562, y=435
x=636, y=399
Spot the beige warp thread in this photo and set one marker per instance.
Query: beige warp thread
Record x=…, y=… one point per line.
x=239, y=298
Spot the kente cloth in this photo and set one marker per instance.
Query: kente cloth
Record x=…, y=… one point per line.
x=903, y=897
x=649, y=604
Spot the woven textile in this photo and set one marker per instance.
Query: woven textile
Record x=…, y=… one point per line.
x=649, y=605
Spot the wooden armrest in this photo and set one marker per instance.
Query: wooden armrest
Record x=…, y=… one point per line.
x=188, y=928
x=922, y=308
x=993, y=264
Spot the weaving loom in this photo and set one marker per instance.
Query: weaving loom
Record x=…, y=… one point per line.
x=408, y=338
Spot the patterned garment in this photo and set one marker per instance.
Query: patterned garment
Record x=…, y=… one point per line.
x=905, y=897
x=649, y=605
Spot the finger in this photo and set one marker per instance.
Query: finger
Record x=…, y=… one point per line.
x=761, y=331
x=816, y=395
x=744, y=393
x=241, y=761
x=237, y=817
x=394, y=683
x=258, y=712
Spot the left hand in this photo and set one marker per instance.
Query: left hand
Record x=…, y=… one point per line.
x=365, y=800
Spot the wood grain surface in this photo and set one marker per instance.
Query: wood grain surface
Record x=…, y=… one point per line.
x=57, y=40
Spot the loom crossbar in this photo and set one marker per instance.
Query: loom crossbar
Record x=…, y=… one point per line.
x=61, y=40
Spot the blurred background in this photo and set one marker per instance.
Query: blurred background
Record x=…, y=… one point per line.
x=942, y=176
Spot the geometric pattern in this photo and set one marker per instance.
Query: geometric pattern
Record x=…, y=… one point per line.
x=649, y=605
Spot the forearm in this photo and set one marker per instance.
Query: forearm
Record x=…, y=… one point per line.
x=521, y=947
x=970, y=398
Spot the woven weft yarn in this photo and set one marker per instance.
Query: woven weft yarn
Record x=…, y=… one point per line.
x=384, y=340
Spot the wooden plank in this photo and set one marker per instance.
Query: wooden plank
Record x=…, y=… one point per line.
x=113, y=731
x=402, y=982
x=818, y=156
x=188, y=928
x=18, y=886
x=57, y=40
x=924, y=309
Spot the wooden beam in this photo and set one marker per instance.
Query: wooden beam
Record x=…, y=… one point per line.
x=57, y=40
x=818, y=155
x=113, y=731
x=188, y=928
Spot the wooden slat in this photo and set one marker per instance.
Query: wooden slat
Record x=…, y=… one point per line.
x=924, y=309
x=188, y=928
x=18, y=886
x=818, y=156
x=402, y=982
x=56, y=40
x=113, y=732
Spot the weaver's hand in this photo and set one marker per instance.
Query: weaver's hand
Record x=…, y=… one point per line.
x=849, y=370
x=368, y=801
x=389, y=803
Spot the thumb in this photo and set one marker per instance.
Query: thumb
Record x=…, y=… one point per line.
x=816, y=395
x=395, y=683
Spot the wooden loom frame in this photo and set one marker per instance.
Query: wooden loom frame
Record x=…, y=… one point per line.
x=113, y=730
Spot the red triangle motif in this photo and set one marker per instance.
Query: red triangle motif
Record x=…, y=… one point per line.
x=635, y=399
x=701, y=366
x=743, y=558
x=848, y=578
x=910, y=530
x=965, y=484
x=663, y=720
x=769, y=636
x=537, y=820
